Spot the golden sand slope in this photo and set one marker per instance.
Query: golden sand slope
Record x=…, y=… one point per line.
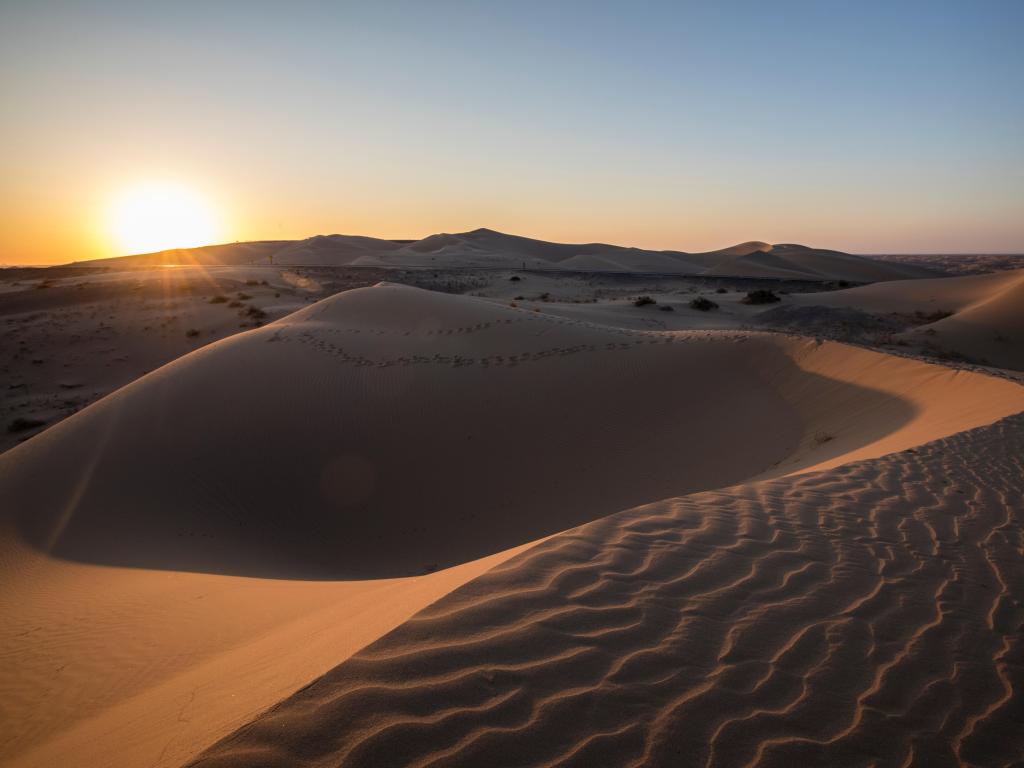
x=182, y=554
x=865, y=615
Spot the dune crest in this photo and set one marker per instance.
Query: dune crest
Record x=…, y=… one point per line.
x=488, y=249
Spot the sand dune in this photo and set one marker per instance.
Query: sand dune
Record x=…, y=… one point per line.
x=867, y=615
x=228, y=254
x=194, y=547
x=124, y=667
x=991, y=329
x=334, y=250
x=758, y=259
x=487, y=249
x=980, y=317
x=368, y=401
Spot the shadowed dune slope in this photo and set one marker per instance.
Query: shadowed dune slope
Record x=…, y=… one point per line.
x=864, y=615
x=389, y=431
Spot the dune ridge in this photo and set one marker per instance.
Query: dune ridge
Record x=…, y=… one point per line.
x=488, y=249
x=867, y=614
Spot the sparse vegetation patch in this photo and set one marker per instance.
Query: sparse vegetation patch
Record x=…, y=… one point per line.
x=22, y=424
x=761, y=296
x=703, y=304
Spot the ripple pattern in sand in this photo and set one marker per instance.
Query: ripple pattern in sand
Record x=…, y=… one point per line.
x=868, y=615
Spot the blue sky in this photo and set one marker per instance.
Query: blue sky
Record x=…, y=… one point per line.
x=867, y=126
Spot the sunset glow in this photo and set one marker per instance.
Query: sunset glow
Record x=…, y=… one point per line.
x=155, y=216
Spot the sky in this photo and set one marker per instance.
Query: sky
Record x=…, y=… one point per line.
x=871, y=127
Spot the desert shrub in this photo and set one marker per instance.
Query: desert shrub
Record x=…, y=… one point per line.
x=667, y=308
x=703, y=304
x=252, y=282
x=931, y=317
x=761, y=296
x=721, y=290
x=950, y=355
x=21, y=424
x=234, y=304
x=218, y=299
x=255, y=313
x=244, y=296
x=545, y=297
x=192, y=333
x=643, y=301
x=515, y=279
x=821, y=437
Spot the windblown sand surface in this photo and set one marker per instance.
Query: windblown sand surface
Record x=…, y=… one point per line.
x=866, y=615
x=197, y=546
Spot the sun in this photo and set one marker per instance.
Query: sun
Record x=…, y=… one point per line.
x=158, y=215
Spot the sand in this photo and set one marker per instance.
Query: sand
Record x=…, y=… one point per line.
x=867, y=615
x=204, y=542
x=70, y=339
x=978, y=317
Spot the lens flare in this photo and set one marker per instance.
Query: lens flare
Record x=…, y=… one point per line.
x=155, y=216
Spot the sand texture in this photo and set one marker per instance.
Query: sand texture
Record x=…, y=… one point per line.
x=436, y=483
x=865, y=615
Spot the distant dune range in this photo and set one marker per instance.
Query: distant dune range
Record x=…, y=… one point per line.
x=195, y=547
x=485, y=248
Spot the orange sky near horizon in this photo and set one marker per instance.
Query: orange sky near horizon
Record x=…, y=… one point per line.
x=572, y=122
x=79, y=227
